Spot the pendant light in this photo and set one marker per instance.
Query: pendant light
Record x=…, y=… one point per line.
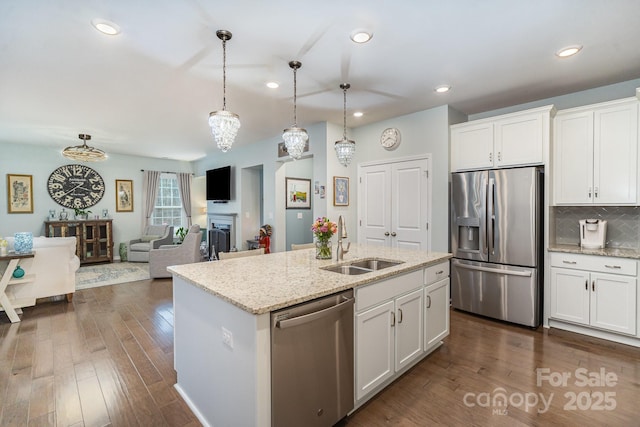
x=84, y=153
x=295, y=138
x=224, y=124
x=346, y=147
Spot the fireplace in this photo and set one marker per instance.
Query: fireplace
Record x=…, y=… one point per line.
x=221, y=233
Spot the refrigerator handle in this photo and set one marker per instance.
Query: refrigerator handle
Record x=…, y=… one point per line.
x=491, y=214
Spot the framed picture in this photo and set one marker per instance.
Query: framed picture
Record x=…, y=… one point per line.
x=340, y=191
x=124, y=195
x=298, y=193
x=20, y=193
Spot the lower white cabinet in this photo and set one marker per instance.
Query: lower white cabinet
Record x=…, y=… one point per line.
x=397, y=321
x=583, y=293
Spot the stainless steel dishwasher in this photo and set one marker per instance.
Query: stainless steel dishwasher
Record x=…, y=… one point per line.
x=312, y=362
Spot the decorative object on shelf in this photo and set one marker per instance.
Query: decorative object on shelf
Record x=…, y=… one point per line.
x=63, y=215
x=84, y=153
x=298, y=193
x=124, y=195
x=23, y=242
x=19, y=193
x=340, y=191
x=3, y=246
x=345, y=148
x=224, y=124
x=390, y=138
x=323, y=228
x=75, y=186
x=52, y=214
x=81, y=213
x=295, y=138
x=105, y=213
x=18, y=272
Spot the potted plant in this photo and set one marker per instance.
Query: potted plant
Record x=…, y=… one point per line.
x=181, y=232
x=81, y=213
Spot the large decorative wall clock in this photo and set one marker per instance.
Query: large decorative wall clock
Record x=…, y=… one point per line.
x=75, y=186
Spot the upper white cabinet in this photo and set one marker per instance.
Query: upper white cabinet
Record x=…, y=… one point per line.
x=596, y=154
x=514, y=139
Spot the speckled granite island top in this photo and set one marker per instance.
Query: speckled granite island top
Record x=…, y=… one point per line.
x=612, y=252
x=260, y=284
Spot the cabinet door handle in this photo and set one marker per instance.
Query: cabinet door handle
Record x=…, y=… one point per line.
x=428, y=301
x=400, y=313
x=589, y=192
x=586, y=285
x=490, y=157
x=596, y=192
x=386, y=233
x=393, y=318
x=439, y=272
x=613, y=266
x=593, y=286
x=393, y=234
x=569, y=262
x=499, y=156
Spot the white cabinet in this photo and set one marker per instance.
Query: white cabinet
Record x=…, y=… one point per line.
x=436, y=313
x=596, y=154
x=513, y=139
x=389, y=331
x=583, y=291
x=393, y=204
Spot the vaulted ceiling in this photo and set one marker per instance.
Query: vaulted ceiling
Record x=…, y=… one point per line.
x=149, y=90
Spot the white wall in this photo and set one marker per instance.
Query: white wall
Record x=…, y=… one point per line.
x=41, y=161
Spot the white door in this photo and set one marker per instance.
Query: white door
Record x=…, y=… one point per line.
x=408, y=325
x=375, y=209
x=519, y=140
x=374, y=348
x=409, y=204
x=570, y=295
x=394, y=203
x=613, y=302
x=436, y=312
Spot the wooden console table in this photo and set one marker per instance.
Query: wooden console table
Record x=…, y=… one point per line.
x=94, y=237
x=13, y=308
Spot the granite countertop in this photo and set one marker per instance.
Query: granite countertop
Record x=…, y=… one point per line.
x=260, y=284
x=612, y=252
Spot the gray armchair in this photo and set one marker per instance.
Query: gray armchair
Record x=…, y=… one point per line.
x=152, y=237
x=186, y=253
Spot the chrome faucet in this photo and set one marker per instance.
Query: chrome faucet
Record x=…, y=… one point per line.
x=342, y=234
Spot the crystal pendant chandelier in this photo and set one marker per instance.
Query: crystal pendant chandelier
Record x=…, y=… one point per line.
x=84, y=153
x=224, y=124
x=346, y=147
x=295, y=138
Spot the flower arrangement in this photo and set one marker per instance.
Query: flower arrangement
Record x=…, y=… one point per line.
x=3, y=243
x=323, y=228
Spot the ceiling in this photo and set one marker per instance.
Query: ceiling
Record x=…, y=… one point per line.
x=149, y=90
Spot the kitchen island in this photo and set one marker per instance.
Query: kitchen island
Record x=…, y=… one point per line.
x=222, y=312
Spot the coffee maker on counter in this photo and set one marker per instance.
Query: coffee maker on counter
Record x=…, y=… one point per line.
x=593, y=233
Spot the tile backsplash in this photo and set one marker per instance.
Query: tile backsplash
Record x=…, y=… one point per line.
x=623, y=224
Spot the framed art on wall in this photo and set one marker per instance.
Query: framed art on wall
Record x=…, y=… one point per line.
x=340, y=191
x=298, y=193
x=19, y=193
x=124, y=195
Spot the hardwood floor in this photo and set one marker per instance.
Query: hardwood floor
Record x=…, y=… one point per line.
x=107, y=359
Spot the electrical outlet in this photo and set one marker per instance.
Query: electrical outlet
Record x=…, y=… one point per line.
x=227, y=338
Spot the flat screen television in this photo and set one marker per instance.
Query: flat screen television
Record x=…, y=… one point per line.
x=219, y=184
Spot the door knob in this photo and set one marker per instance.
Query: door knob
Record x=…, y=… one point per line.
x=386, y=233
x=393, y=234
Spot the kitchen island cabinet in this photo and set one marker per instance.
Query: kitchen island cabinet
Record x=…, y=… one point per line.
x=222, y=322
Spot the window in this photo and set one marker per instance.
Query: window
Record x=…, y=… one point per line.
x=168, y=207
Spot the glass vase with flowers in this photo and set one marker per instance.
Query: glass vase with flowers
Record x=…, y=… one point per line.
x=323, y=228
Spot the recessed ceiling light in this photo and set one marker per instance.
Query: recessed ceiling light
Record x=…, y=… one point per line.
x=106, y=27
x=273, y=85
x=361, y=36
x=568, y=51
x=443, y=88
x=358, y=114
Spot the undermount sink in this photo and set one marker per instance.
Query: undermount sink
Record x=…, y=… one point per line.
x=362, y=266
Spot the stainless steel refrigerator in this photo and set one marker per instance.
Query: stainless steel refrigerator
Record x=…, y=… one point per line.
x=496, y=239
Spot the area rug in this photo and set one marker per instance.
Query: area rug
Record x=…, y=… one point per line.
x=92, y=276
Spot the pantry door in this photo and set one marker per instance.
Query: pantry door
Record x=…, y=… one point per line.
x=394, y=202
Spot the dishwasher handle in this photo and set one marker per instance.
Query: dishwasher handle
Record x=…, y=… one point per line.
x=301, y=320
x=495, y=270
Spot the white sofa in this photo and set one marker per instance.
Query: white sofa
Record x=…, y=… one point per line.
x=55, y=264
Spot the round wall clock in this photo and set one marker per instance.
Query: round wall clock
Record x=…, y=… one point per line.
x=75, y=186
x=390, y=138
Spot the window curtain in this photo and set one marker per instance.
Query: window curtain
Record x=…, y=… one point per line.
x=184, y=183
x=150, y=183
